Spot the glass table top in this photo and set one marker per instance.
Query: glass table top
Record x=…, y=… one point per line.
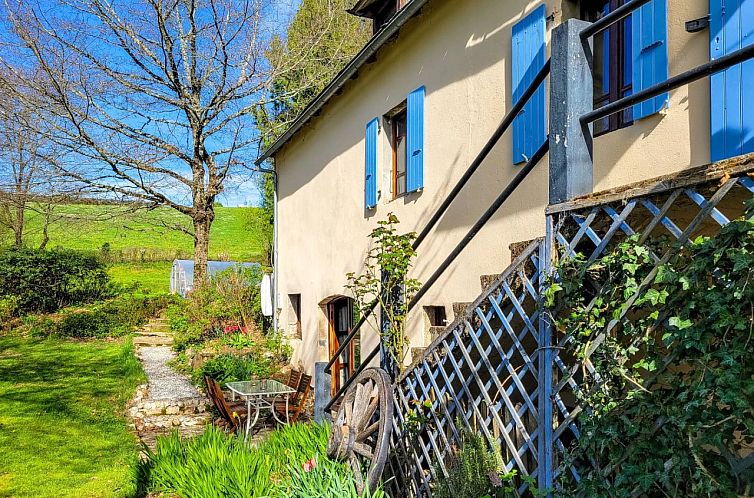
x=259, y=387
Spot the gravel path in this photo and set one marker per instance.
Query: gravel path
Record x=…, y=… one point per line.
x=164, y=382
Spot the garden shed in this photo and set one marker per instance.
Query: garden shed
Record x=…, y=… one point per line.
x=182, y=273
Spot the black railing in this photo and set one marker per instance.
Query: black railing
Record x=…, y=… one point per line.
x=677, y=81
x=613, y=17
x=442, y=209
x=438, y=214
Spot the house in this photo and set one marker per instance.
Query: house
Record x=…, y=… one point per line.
x=399, y=126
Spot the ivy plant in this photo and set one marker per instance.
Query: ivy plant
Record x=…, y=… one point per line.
x=668, y=403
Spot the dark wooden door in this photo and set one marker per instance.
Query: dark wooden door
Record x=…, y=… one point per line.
x=340, y=319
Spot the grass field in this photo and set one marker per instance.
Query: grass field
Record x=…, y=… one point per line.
x=63, y=430
x=143, y=238
x=154, y=278
x=88, y=227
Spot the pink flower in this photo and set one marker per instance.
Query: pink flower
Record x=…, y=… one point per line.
x=309, y=465
x=230, y=329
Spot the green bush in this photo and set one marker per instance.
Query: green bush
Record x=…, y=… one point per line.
x=231, y=368
x=45, y=281
x=214, y=465
x=473, y=472
x=8, y=309
x=113, y=318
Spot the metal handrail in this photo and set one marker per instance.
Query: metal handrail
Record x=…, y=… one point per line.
x=496, y=204
x=442, y=209
x=682, y=79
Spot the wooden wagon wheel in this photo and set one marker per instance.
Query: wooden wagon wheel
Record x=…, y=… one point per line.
x=361, y=430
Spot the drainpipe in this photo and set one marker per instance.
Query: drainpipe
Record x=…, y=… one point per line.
x=275, y=262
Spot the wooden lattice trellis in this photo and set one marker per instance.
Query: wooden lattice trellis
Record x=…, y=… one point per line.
x=485, y=370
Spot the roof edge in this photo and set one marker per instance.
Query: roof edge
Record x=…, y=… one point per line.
x=374, y=44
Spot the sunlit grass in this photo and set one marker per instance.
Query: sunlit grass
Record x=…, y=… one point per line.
x=88, y=227
x=153, y=278
x=63, y=429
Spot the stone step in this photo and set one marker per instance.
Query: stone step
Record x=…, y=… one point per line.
x=434, y=332
x=142, y=340
x=159, y=328
x=152, y=333
x=171, y=421
x=487, y=280
x=459, y=308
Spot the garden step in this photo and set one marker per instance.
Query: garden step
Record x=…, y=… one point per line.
x=459, y=308
x=145, y=340
x=487, y=280
x=152, y=333
x=161, y=328
x=435, y=331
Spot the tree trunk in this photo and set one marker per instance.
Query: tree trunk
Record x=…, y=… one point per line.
x=202, y=224
x=18, y=224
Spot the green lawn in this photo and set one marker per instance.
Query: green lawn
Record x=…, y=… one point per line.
x=153, y=277
x=63, y=430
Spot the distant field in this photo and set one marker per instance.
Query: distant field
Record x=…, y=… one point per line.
x=147, y=238
x=86, y=227
x=154, y=278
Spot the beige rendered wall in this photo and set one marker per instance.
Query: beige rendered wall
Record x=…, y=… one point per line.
x=459, y=50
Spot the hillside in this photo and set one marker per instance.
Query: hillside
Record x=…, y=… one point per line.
x=142, y=245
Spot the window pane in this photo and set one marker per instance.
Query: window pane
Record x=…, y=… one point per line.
x=627, y=67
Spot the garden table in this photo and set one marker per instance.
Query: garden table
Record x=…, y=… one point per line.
x=260, y=394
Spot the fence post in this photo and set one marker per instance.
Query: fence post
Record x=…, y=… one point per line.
x=545, y=448
x=571, y=175
x=571, y=96
x=321, y=392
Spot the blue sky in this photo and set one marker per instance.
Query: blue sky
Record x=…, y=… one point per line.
x=239, y=190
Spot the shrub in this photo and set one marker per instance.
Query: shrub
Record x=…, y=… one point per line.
x=113, y=318
x=45, y=281
x=473, y=471
x=8, y=309
x=230, y=368
x=230, y=298
x=214, y=465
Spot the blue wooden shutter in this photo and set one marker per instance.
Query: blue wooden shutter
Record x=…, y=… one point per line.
x=415, y=140
x=649, y=49
x=732, y=90
x=528, y=57
x=370, y=172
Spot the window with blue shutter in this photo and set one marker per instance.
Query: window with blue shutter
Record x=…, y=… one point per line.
x=415, y=140
x=370, y=171
x=732, y=90
x=649, y=39
x=528, y=57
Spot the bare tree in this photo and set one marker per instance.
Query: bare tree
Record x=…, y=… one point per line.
x=150, y=99
x=23, y=170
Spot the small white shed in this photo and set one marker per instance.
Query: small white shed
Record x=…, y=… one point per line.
x=182, y=273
